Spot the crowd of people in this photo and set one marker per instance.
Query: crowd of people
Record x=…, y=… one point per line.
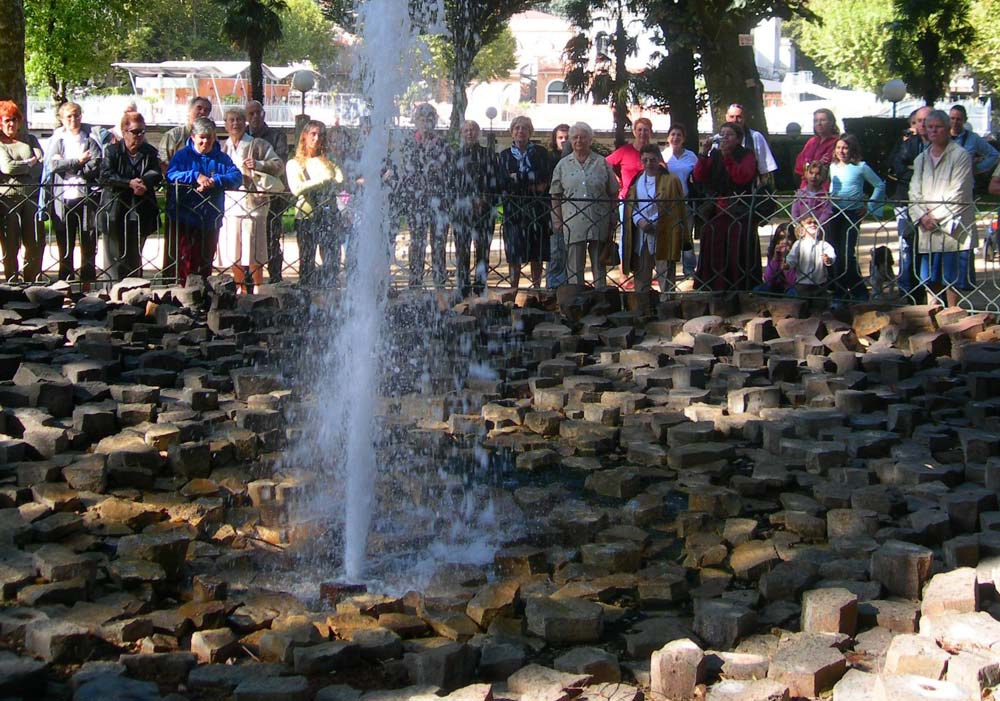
x=562, y=207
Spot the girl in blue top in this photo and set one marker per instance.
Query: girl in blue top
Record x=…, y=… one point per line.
x=848, y=175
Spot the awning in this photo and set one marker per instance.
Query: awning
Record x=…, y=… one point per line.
x=208, y=69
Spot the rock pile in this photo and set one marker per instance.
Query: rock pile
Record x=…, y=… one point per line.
x=732, y=500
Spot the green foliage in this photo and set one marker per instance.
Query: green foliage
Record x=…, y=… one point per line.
x=607, y=80
x=174, y=31
x=472, y=25
x=983, y=56
x=308, y=35
x=927, y=42
x=252, y=25
x=846, y=41
x=495, y=60
x=69, y=42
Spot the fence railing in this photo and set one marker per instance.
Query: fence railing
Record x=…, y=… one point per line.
x=94, y=236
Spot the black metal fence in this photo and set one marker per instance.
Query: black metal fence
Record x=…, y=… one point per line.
x=93, y=237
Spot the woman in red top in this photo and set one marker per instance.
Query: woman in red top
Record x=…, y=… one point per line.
x=626, y=164
x=819, y=148
x=730, y=248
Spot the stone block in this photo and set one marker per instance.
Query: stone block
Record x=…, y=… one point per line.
x=447, y=666
x=895, y=687
x=722, y=623
x=600, y=664
x=916, y=654
x=59, y=642
x=212, y=646
x=951, y=592
x=974, y=672
x=564, y=620
x=829, y=611
x=272, y=689
x=495, y=599
x=808, y=666
x=747, y=690
x=676, y=669
x=325, y=658
x=955, y=632
x=902, y=568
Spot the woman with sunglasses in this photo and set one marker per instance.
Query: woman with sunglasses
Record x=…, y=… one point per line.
x=130, y=173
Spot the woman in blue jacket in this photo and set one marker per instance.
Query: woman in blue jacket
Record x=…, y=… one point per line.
x=198, y=175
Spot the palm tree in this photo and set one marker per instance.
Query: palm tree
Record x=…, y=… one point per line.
x=251, y=25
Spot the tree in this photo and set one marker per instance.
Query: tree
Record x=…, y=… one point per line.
x=308, y=35
x=495, y=60
x=12, y=84
x=846, y=41
x=604, y=78
x=70, y=42
x=729, y=68
x=172, y=30
x=472, y=25
x=252, y=25
x=927, y=42
x=670, y=82
x=983, y=56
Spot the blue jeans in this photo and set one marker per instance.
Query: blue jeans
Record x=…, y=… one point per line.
x=842, y=233
x=907, y=231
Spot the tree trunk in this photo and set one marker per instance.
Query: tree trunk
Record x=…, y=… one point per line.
x=257, y=73
x=620, y=95
x=461, y=72
x=12, y=85
x=679, y=89
x=731, y=77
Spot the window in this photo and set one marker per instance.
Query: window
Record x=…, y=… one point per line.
x=556, y=93
x=602, y=43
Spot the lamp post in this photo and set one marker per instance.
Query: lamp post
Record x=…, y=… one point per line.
x=491, y=114
x=302, y=81
x=894, y=91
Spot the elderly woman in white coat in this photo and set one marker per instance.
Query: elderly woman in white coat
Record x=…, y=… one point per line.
x=243, y=241
x=941, y=206
x=584, y=192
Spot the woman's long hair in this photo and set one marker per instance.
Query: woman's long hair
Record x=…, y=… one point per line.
x=320, y=151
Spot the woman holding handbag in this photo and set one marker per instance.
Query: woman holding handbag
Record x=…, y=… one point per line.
x=243, y=241
x=584, y=193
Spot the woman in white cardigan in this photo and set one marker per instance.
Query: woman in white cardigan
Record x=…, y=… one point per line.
x=243, y=241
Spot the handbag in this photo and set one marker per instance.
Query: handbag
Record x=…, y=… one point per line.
x=764, y=204
x=265, y=182
x=610, y=256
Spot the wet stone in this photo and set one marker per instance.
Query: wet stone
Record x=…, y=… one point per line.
x=564, y=620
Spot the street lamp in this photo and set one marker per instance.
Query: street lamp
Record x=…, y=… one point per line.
x=303, y=81
x=491, y=114
x=894, y=91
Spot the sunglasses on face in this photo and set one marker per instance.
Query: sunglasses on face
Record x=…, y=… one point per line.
x=136, y=132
